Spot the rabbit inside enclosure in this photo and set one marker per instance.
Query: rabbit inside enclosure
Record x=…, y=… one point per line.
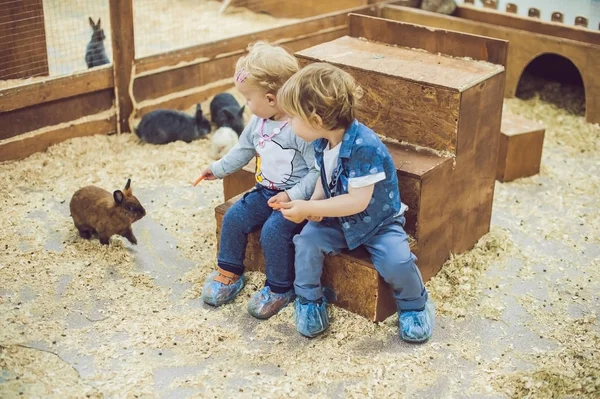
x=95, y=53
x=225, y=111
x=165, y=126
x=95, y=210
x=223, y=140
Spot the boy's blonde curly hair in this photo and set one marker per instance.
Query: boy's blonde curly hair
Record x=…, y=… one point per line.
x=324, y=90
x=266, y=66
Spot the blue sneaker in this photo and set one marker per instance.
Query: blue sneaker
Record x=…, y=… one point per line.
x=266, y=303
x=311, y=316
x=222, y=287
x=417, y=325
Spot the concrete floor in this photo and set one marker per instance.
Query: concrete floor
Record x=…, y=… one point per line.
x=160, y=340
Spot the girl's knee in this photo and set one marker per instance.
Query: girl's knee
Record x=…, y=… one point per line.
x=230, y=219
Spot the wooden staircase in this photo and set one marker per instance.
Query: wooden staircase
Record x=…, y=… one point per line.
x=439, y=116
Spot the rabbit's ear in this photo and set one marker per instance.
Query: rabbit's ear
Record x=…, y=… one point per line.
x=92, y=24
x=98, y=24
x=118, y=196
x=228, y=114
x=199, y=109
x=127, y=190
x=242, y=110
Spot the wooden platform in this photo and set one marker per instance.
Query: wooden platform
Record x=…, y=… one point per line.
x=440, y=116
x=520, y=148
x=529, y=39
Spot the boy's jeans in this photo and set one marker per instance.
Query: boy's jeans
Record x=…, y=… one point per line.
x=389, y=250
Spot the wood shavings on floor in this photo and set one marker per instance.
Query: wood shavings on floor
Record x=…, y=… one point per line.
x=517, y=316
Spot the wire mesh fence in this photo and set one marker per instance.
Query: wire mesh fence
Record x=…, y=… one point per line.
x=42, y=38
x=48, y=38
x=162, y=26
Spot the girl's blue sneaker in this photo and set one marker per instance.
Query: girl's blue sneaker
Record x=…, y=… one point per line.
x=311, y=316
x=266, y=303
x=417, y=325
x=221, y=287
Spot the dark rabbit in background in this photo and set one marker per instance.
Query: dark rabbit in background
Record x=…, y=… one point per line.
x=226, y=112
x=95, y=54
x=95, y=210
x=165, y=126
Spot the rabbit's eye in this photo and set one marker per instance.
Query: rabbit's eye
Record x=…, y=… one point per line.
x=129, y=208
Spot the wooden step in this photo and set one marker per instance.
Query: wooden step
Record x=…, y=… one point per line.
x=418, y=172
x=520, y=149
x=352, y=276
x=240, y=181
x=410, y=95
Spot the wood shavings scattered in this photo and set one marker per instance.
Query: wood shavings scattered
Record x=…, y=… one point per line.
x=39, y=369
x=573, y=370
x=455, y=288
x=517, y=316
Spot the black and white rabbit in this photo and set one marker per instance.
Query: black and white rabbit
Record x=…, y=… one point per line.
x=226, y=112
x=95, y=53
x=165, y=126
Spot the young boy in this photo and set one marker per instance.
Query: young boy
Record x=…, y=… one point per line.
x=356, y=201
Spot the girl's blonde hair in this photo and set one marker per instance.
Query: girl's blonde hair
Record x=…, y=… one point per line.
x=266, y=66
x=324, y=90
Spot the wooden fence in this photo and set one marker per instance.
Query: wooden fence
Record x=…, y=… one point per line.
x=104, y=100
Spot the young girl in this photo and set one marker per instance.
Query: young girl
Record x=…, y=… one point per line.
x=285, y=171
x=358, y=196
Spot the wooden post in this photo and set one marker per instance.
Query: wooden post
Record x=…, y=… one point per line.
x=123, y=44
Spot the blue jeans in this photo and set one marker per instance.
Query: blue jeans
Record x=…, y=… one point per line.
x=389, y=250
x=249, y=214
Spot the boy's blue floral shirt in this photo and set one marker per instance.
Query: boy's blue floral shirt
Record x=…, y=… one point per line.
x=362, y=153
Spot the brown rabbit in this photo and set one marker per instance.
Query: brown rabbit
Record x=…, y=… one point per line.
x=95, y=210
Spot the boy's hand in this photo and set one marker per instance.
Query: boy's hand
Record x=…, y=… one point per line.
x=314, y=218
x=295, y=211
x=275, y=201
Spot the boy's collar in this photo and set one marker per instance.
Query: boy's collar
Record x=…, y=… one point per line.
x=347, y=141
